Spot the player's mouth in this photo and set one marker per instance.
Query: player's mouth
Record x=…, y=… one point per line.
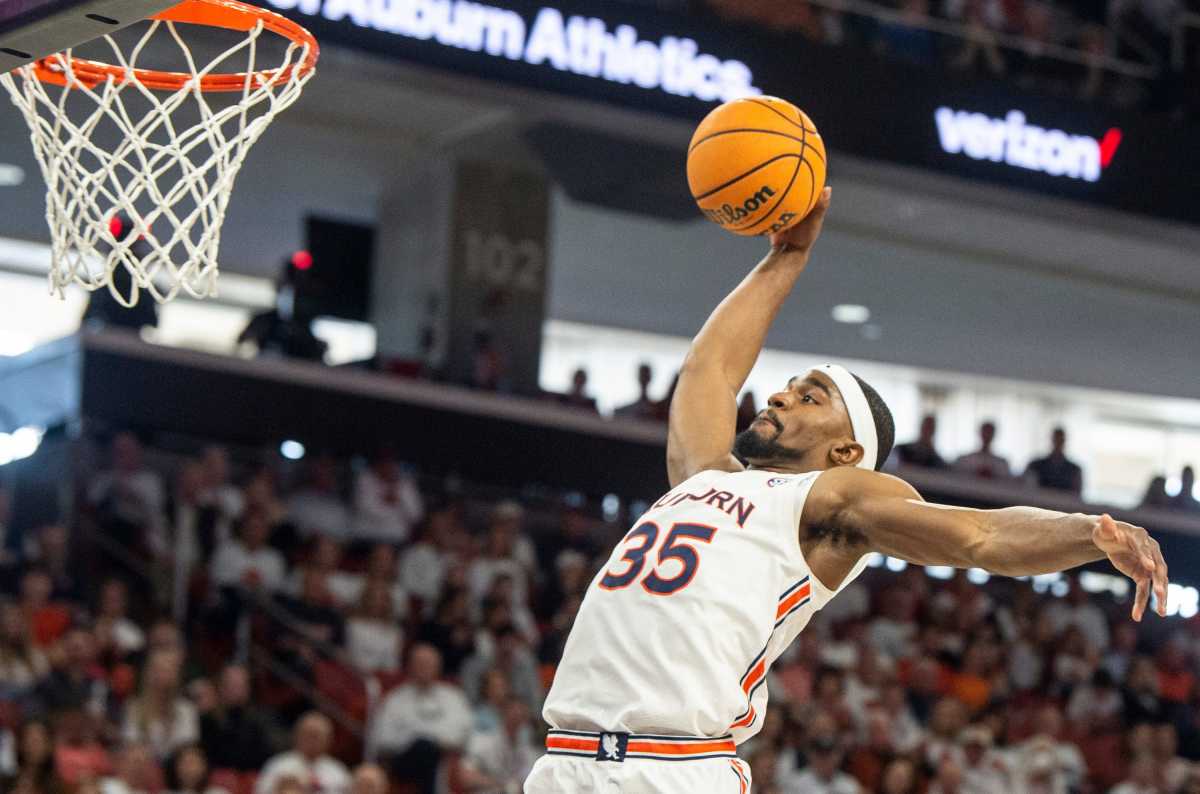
x=767, y=419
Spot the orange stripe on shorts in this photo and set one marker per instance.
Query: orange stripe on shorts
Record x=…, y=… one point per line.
x=569, y=743
x=691, y=748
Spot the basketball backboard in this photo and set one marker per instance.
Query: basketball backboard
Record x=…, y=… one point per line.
x=32, y=29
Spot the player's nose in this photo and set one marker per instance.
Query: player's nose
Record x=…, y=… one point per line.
x=780, y=401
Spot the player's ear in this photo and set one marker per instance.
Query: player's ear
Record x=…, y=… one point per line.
x=846, y=452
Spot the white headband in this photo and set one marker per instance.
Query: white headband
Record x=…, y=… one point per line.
x=862, y=421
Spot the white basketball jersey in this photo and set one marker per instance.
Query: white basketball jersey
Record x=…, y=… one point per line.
x=677, y=631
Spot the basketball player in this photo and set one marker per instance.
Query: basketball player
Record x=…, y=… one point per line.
x=663, y=672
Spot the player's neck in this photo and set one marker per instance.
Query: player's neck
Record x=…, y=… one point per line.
x=801, y=466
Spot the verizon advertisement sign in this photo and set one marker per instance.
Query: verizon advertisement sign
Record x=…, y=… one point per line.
x=582, y=45
x=1014, y=142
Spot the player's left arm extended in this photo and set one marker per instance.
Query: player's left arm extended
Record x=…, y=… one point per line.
x=890, y=517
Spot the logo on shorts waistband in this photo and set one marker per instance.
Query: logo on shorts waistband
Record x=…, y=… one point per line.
x=612, y=747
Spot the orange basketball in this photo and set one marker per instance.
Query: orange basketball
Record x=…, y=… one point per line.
x=756, y=165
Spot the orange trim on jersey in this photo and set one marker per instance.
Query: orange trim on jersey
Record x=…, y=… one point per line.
x=747, y=720
x=758, y=672
x=691, y=748
x=791, y=601
x=569, y=743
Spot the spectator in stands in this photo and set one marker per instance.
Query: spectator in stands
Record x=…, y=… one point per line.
x=317, y=507
x=324, y=557
x=948, y=779
x=1095, y=707
x=159, y=717
x=136, y=772
x=1172, y=770
x=577, y=396
x=908, y=38
x=984, y=463
x=22, y=664
x=35, y=771
x=308, y=761
x=921, y=451
x=498, y=761
x=188, y=772
x=983, y=20
x=984, y=770
x=369, y=779
x=193, y=527
x=248, y=564
x=217, y=490
x=128, y=497
x=900, y=777
x=113, y=626
x=892, y=632
x=47, y=619
x=643, y=407
x=866, y=762
x=1143, y=778
x=511, y=657
x=1055, y=470
x=450, y=630
x=423, y=566
x=490, y=363
x=374, y=638
x=420, y=721
x=286, y=329
x=574, y=534
x=1045, y=762
x=312, y=628
x=1186, y=500
x=1143, y=702
x=1079, y=611
x=489, y=706
x=823, y=774
x=507, y=551
x=236, y=734
x=1156, y=496
x=52, y=552
x=386, y=500
x=1121, y=652
x=78, y=754
x=75, y=681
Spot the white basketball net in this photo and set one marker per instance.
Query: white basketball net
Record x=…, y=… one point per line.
x=170, y=175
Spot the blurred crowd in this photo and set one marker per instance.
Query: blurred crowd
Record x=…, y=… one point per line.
x=1092, y=30
x=270, y=627
x=1053, y=471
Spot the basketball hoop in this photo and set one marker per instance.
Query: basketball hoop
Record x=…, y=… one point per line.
x=169, y=174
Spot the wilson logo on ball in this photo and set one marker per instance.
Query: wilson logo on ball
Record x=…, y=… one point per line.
x=728, y=213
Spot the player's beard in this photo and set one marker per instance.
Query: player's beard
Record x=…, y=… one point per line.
x=750, y=445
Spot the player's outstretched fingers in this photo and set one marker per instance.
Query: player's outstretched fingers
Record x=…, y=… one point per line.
x=1161, y=580
x=1141, y=597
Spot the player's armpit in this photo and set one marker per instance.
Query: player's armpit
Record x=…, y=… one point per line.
x=702, y=423
x=879, y=512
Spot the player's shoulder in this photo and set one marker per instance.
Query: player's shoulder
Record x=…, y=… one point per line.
x=835, y=488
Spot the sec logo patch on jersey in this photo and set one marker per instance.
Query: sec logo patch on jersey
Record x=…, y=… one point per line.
x=771, y=483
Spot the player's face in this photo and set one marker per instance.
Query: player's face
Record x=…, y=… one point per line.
x=805, y=418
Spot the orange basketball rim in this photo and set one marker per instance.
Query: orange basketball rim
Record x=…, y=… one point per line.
x=228, y=14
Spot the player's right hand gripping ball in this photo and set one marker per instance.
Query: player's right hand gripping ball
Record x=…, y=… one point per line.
x=756, y=166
